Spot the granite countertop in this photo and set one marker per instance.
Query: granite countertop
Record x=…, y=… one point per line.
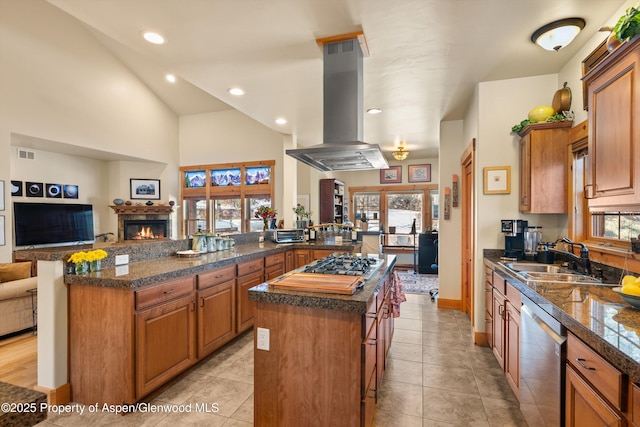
x=594, y=313
x=358, y=302
x=139, y=274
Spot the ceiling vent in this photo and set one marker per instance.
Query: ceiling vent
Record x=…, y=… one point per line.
x=342, y=147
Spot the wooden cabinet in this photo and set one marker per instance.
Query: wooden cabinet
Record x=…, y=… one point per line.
x=614, y=113
x=594, y=388
x=165, y=343
x=331, y=201
x=301, y=257
x=543, y=168
x=584, y=406
x=324, y=365
x=274, y=266
x=635, y=405
x=504, y=316
x=250, y=274
x=488, y=305
x=289, y=260
x=216, y=301
x=321, y=253
x=512, y=338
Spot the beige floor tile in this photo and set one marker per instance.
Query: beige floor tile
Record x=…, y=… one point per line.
x=503, y=412
x=404, y=351
x=405, y=336
x=450, y=379
x=393, y=419
x=245, y=411
x=453, y=407
x=400, y=398
x=403, y=371
x=408, y=324
x=226, y=394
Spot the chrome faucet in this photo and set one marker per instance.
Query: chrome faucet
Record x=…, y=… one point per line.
x=582, y=259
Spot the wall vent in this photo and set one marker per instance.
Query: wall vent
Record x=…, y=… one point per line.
x=27, y=155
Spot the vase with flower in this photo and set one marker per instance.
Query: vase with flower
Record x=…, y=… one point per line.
x=79, y=261
x=95, y=258
x=267, y=214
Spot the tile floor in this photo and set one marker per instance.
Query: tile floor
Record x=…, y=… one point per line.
x=435, y=377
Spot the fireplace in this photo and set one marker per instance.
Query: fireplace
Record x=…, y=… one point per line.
x=146, y=229
x=139, y=223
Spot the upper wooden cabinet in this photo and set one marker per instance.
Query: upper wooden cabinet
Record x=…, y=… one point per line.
x=543, y=168
x=614, y=114
x=331, y=201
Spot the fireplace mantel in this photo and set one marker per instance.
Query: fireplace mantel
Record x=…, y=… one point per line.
x=143, y=209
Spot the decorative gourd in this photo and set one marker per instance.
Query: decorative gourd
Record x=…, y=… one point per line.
x=541, y=113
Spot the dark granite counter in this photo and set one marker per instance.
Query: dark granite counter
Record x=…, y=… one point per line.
x=594, y=313
x=356, y=302
x=21, y=406
x=152, y=262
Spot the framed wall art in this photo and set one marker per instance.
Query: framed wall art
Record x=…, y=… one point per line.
x=497, y=180
x=393, y=175
x=420, y=173
x=16, y=188
x=146, y=189
x=1, y=195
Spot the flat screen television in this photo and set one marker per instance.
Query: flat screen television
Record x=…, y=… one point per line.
x=52, y=223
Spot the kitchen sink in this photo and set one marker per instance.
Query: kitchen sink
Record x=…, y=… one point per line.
x=531, y=267
x=559, y=277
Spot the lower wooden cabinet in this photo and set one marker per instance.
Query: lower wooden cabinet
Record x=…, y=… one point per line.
x=584, y=406
x=512, y=346
x=165, y=343
x=216, y=317
x=498, y=326
x=250, y=274
x=301, y=257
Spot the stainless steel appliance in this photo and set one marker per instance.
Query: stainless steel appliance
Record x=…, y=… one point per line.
x=286, y=236
x=514, y=241
x=542, y=356
x=346, y=265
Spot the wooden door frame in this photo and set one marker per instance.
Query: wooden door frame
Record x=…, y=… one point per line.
x=467, y=160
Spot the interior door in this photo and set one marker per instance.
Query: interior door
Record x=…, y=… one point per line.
x=466, y=203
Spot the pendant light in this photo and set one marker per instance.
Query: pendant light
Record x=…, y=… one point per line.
x=400, y=153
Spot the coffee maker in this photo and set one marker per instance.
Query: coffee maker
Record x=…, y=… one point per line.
x=514, y=241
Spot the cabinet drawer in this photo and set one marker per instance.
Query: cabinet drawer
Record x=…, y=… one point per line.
x=488, y=274
x=369, y=354
x=499, y=283
x=513, y=295
x=370, y=316
x=217, y=276
x=249, y=267
x=273, y=271
x=274, y=259
x=163, y=292
x=604, y=377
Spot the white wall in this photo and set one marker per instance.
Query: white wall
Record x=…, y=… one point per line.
x=228, y=137
x=58, y=84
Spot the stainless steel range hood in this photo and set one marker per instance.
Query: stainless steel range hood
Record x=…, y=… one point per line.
x=342, y=148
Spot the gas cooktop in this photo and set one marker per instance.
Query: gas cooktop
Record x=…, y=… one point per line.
x=349, y=265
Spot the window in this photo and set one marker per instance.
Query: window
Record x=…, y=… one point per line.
x=223, y=198
x=403, y=209
x=615, y=225
x=367, y=204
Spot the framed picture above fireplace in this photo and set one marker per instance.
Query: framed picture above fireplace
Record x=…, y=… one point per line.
x=146, y=189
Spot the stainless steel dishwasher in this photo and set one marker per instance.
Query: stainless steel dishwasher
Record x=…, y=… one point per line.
x=542, y=357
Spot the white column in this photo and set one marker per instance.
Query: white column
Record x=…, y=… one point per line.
x=52, y=325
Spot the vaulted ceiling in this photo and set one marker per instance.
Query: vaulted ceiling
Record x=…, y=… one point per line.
x=426, y=55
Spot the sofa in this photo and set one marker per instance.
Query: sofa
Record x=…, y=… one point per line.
x=16, y=302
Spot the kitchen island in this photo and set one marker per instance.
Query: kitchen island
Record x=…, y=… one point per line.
x=319, y=357
x=116, y=335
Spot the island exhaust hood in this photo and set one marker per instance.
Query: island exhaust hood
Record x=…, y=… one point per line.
x=342, y=148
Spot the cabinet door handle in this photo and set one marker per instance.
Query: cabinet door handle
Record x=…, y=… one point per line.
x=587, y=192
x=170, y=291
x=201, y=301
x=501, y=310
x=193, y=306
x=371, y=393
x=581, y=363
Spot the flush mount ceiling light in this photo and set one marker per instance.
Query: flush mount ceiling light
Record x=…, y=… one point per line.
x=153, y=37
x=170, y=78
x=400, y=153
x=374, y=110
x=281, y=121
x=557, y=34
x=236, y=91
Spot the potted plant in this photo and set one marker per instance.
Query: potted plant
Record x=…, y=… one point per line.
x=364, y=224
x=628, y=26
x=301, y=214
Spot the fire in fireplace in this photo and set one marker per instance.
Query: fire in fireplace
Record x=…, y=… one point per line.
x=145, y=229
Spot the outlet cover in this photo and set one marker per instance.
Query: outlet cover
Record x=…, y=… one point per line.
x=122, y=259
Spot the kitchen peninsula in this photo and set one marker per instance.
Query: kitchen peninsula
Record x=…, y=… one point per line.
x=319, y=357
x=133, y=327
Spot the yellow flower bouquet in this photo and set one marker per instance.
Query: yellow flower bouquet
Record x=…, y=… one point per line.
x=87, y=261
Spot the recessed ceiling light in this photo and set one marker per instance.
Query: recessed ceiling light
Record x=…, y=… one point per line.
x=153, y=37
x=170, y=78
x=374, y=110
x=236, y=91
x=281, y=121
